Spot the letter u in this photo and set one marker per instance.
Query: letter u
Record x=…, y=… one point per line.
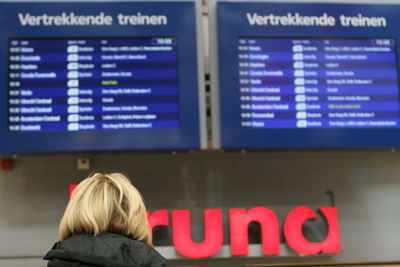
x=182, y=237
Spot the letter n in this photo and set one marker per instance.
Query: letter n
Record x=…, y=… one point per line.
x=239, y=220
x=213, y=234
x=293, y=230
x=157, y=218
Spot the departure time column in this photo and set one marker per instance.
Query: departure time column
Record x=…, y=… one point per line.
x=244, y=83
x=14, y=86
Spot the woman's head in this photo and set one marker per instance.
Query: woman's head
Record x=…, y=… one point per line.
x=106, y=203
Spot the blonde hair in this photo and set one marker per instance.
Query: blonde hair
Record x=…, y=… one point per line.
x=106, y=203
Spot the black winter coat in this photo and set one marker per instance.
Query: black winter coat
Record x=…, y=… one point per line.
x=103, y=250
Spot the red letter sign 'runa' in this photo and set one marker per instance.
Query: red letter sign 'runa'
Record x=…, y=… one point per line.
x=239, y=220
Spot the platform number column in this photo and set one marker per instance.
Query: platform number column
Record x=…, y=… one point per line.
x=72, y=84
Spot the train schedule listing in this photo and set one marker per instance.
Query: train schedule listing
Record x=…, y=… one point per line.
x=83, y=84
x=318, y=83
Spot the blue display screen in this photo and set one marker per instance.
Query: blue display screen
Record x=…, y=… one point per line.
x=307, y=75
x=94, y=76
x=81, y=84
x=318, y=83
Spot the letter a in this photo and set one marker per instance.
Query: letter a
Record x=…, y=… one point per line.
x=213, y=234
x=294, y=233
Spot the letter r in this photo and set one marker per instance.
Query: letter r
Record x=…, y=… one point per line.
x=157, y=218
x=72, y=187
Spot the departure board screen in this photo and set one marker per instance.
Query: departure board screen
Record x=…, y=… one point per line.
x=318, y=83
x=83, y=84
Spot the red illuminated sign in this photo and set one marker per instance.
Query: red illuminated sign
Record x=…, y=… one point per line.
x=72, y=188
x=239, y=220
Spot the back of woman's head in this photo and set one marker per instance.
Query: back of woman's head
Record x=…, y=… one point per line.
x=106, y=203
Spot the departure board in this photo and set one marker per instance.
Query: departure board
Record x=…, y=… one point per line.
x=318, y=83
x=83, y=84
